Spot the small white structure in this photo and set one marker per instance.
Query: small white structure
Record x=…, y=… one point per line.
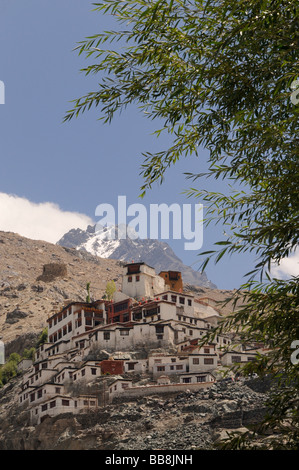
x=140, y=280
x=197, y=377
x=62, y=404
x=167, y=365
x=232, y=357
x=118, y=386
x=163, y=380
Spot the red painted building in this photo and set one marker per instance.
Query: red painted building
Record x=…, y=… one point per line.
x=112, y=367
x=119, y=312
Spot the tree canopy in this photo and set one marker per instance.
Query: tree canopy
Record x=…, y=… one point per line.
x=222, y=75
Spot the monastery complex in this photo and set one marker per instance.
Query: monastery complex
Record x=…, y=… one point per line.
x=145, y=341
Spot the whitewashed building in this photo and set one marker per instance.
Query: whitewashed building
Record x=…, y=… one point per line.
x=140, y=280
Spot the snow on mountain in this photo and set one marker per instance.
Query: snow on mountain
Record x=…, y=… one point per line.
x=123, y=244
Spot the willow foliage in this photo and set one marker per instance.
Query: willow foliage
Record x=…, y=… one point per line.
x=222, y=75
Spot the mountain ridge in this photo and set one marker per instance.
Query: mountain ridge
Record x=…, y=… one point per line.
x=156, y=253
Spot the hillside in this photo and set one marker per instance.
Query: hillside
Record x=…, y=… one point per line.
x=185, y=421
x=27, y=297
x=36, y=279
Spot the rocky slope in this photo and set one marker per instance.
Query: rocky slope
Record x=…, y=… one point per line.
x=185, y=421
x=37, y=278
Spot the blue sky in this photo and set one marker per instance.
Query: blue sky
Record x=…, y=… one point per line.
x=74, y=167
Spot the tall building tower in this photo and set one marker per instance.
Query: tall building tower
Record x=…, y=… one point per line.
x=141, y=281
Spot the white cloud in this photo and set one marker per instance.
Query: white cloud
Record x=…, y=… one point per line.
x=43, y=221
x=287, y=266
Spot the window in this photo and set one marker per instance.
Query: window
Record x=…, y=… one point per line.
x=124, y=332
x=182, y=300
x=187, y=380
x=173, y=298
x=93, y=371
x=206, y=350
x=179, y=367
x=106, y=335
x=137, y=278
x=196, y=360
x=159, y=329
x=131, y=366
x=39, y=394
x=201, y=378
x=189, y=302
x=130, y=279
x=57, y=389
x=65, y=402
x=208, y=361
x=236, y=358
x=160, y=368
x=190, y=332
x=159, y=337
x=44, y=407
x=83, y=372
x=52, y=404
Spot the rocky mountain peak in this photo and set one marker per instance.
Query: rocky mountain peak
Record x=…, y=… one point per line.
x=113, y=243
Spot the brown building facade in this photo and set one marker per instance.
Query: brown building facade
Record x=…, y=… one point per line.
x=173, y=279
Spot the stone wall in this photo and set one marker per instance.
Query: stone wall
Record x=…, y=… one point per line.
x=52, y=271
x=134, y=392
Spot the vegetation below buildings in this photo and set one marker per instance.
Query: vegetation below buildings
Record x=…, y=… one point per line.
x=10, y=368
